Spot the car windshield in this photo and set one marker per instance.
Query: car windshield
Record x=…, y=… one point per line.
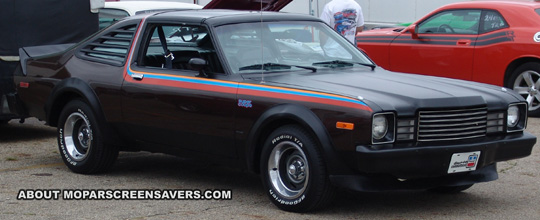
x=285, y=46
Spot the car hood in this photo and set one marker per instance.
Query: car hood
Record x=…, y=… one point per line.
x=383, y=90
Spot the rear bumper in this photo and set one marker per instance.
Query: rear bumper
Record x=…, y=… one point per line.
x=427, y=167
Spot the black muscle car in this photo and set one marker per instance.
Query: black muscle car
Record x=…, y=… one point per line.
x=282, y=95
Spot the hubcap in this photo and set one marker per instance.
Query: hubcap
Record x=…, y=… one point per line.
x=84, y=137
x=77, y=136
x=288, y=170
x=296, y=170
x=527, y=85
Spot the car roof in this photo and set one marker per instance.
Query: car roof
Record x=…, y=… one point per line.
x=132, y=7
x=516, y=13
x=216, y=17
x=493, y=4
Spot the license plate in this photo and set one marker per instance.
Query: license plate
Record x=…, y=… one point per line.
x=463, y=162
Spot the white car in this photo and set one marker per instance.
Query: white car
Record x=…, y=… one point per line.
x=114, y=11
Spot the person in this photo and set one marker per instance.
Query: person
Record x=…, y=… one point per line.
x=345, y=16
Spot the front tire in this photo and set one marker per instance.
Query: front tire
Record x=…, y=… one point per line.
x=80, y=140
x=293, y=171
x=525, y=80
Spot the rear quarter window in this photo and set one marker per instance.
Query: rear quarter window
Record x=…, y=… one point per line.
x=491, y=21
x=111, y=47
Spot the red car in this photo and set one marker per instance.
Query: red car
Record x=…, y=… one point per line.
x=492, y=42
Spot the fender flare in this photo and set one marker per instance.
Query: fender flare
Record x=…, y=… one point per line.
x=69, y=89
x=291, y=113
x=66, y=90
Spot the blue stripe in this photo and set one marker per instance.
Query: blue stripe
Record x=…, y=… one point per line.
x=251, y=87
x=277, y=90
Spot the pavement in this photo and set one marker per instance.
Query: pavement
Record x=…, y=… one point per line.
x=29, y=160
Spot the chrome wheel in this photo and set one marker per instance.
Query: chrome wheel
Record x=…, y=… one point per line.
x=77, y=136
x=288, y=169
x=527, y=84
x=293, y=170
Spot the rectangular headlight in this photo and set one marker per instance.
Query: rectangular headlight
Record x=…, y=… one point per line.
x=516, y=117
x=383, y=128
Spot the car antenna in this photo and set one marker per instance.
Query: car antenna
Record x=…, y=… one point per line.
x=262, y=51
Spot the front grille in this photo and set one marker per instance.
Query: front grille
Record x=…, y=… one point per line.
x=452, y=124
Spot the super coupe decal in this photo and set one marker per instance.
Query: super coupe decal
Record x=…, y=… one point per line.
x=498, y=37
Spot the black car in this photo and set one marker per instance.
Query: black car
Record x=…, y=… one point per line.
x=282, y=95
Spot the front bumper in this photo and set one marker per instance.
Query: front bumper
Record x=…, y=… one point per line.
x=427, y=167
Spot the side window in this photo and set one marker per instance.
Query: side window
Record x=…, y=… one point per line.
x=180, y=44
x=452, y=22
x=492, y=20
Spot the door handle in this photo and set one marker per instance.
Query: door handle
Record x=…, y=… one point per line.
x=137, y=76
x=463, y=42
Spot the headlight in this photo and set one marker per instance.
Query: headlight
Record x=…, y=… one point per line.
x=516, y=117
x=380, y=127
x=383, y=128
x=512, y=117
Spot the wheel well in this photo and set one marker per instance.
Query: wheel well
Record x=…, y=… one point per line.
x=58, y=105
x=514, y=65
x=266, y=131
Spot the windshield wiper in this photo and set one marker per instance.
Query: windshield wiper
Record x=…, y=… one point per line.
x=274, y=66
x=335, y=63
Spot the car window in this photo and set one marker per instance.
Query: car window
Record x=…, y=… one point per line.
x=284, y=45
x=452, y=22
x=184, y=42
x=108, y=16
x=492, y=20
x=110, y=47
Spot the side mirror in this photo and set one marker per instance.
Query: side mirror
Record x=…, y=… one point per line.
x=413, y=29
x=198, y=64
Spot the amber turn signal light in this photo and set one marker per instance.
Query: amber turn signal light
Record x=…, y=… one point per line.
x=344, y=125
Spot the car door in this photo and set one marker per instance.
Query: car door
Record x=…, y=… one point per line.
x=443, y=45
x=495, y=49
x=175, y=105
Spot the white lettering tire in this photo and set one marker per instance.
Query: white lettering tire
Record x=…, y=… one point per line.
x=80, y=140
x=293, y=171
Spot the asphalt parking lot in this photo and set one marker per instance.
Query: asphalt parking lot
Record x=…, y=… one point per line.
x=29, y=159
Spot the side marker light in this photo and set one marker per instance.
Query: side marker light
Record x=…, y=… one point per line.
x=344, y=125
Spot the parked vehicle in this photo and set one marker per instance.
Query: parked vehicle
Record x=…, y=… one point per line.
x=114, y=11
x=282, y=95
x=56, y=25
x=493, y=42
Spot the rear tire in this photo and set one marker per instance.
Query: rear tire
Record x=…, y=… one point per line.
x=293, y=171
x=80, y=140
x=525, y=80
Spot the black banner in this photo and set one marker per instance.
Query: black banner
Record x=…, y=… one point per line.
x=43, y=22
